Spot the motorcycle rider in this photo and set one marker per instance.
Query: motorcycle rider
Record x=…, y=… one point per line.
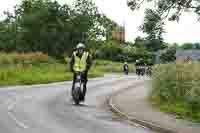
x=137, y=66
x=125, y=67
x=139, y=63
x=80, y=62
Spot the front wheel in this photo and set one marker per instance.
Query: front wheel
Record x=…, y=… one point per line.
x=76, y=95
x=126, y=73
x=76, y=102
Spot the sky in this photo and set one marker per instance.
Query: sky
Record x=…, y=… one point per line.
x=187, y=30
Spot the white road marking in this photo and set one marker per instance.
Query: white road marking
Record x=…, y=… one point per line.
x=12, y=116
x=28, y=97
x=11, y=106
x=19, y=123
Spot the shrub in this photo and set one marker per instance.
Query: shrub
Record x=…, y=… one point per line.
x=175, y=85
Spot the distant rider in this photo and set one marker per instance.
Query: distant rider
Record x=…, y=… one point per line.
x=125, y=68
x=139, y=66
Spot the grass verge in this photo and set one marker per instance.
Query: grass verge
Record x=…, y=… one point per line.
x=37, y=74
x=40, y=73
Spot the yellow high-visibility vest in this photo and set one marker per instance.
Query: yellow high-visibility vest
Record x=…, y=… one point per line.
x=80, y=64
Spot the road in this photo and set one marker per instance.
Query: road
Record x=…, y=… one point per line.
x=48, y=109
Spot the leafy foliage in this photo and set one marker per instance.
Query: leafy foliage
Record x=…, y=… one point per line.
x=153, y=25
x=46, y=26
x=174, y=8
x=177, y=87
x=113, y=50
x=156, y=15
x=169, y=55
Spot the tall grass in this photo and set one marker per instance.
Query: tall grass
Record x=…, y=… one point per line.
x=34, y=68
x=16, y=58
x=176, y=88
x=41, y=73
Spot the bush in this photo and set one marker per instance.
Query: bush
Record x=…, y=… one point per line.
x=178, y=87
x=169, y=55
x=115, y=51
x=111, y=50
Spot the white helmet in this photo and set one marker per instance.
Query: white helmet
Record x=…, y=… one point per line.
x=80, y=45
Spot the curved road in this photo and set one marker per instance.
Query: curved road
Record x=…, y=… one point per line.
x=48, y=109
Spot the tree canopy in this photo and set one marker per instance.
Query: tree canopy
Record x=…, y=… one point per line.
x=171, y=9
x=49, y=27
x=155, y=16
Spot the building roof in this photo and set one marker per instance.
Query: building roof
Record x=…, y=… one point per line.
x=192, y=54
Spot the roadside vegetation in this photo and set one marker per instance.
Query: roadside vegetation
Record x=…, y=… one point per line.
x=176, y=89
x=35, y=68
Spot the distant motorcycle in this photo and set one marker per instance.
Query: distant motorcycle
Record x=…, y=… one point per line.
x=77, y=91
x=137, y=70
x=126, y=70
x=149, y=71
x=140, y=70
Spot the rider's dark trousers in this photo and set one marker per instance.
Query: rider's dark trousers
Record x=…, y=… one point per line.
x=84, y=80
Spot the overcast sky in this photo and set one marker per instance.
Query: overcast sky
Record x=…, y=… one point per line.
x=188, y=29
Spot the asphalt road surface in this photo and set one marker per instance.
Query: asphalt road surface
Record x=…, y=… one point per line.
x=48, y=109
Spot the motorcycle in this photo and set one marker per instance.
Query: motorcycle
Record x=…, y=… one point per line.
x=149, y=71
x=140, y=70
x=77, y=91
x=137, y=70
x=126, y=70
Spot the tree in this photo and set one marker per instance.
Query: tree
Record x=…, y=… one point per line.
x=175, y=45
x=139, y=42
x=187, y=46
x=197, y=45
x=153, y=45
x=171, y=9
x=168, y=55
x=153, y=26
x=46, y=26
x=163, y=9
x=111, y=50
x=109, y=26
x=43, y=26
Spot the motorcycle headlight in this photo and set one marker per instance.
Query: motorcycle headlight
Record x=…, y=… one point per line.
x=78, y=77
